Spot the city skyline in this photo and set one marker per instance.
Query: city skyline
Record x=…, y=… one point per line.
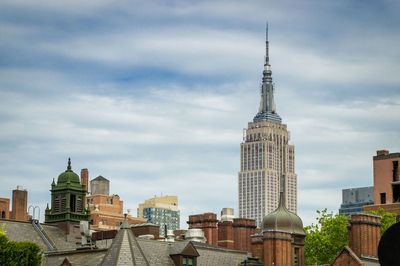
x=155, y=96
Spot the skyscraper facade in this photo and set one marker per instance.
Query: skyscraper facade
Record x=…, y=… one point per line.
x=262, y=163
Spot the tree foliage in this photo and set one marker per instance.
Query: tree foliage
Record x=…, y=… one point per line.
x=387, y=220
x=18, y=253
x=326, y=238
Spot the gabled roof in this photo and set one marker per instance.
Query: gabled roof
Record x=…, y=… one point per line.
x=185, y=248
x=346, y=250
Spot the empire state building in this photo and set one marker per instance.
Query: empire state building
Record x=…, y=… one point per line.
x=266, y=156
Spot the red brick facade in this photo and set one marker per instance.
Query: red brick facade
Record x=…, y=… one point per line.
x=19, y=205
x=146, y=230
x=85, y=178
x=364, y=234
x=106, y=212
x=386, y=182
x=348, y=258
x=385, y=172
x=257, y=246
x=277, y=248
x=4, y=208
x=243, y=228
x=225, y=234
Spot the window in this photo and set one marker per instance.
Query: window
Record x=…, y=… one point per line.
x=72, y=203
x=383, y=198
x=187, y=261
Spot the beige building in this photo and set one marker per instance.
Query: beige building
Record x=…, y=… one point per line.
x=162, y=211
x=262, y=164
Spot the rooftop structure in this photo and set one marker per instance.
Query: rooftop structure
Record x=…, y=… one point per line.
x=67, y=199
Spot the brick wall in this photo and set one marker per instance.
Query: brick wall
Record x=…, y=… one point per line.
x=225, y=234
x=242, y=229
x=364, y=234
x=146, y=230
x=85, y=178
x=277, y=248
x=4, y=208
x=257, y=246
x=383, y=175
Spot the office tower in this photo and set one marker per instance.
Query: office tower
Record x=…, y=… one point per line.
x=353, y=200
x=162, y=211
x=265, y=142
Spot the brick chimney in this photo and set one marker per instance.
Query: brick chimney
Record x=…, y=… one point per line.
x=85, y=178
x=208, y=223
x=19, y=204
x=225, y=234
x=364, y=234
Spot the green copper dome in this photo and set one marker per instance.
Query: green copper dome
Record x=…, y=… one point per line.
x=68, y=175
x=283, y=220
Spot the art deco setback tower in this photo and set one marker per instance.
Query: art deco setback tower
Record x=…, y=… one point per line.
x=265, y=142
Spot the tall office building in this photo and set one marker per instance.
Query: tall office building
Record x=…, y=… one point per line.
x=265, y=143
x=162, y=211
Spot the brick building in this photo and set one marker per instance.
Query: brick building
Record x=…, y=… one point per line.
x=19, y=211
x=106, y=210
x=386, y=182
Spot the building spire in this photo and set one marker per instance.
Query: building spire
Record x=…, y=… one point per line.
x=267, y=111
x=69, y=164
x=266, y=46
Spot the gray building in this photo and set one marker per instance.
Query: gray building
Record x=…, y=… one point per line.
x=353, y=199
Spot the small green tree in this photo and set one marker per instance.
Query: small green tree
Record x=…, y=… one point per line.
x=326, y=238
x=18, y=253
x=387, y=220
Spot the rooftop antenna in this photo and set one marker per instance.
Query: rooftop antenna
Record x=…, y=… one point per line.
x=266, y=45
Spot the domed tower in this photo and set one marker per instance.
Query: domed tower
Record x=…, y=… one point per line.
x=283, y=237
x=67, y=199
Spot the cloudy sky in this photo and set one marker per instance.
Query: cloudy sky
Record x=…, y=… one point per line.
x=154, y=95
